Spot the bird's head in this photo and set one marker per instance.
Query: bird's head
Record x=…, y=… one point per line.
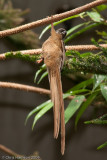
x=62, y=32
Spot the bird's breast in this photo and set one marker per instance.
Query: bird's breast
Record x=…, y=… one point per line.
x=51, y=54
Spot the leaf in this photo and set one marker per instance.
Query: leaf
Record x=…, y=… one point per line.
x=43, y=76
x=100, y=120
x=84, y=29
x=102, y=146
x=73, y=107
x=98, y=79
x=41, y=113
x=80, y=91
x=37, y=109
x=86, y=54
x=82, y=85
x=65, y=95
x=95, y=16
x=74, y=28
x=42, y=106
x=44, y=109
x=104, y=91
x=101, y=7
x=84, y=107
x=61, y=21
x=96, y=121
x=103, y=34
x=38, y=72
x=104, y=50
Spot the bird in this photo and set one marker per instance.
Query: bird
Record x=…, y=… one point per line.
x=53, y=50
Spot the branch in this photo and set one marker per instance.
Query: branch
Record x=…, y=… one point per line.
x=27, y=88
x=13, y=155
x=54, y=18
x=91, y=64
x=39, y=51
x=84, y=47
x=8, y=151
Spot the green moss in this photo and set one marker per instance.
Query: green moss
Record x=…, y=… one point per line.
x=89, y=64
x=19, y=55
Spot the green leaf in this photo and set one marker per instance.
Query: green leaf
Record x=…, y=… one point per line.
x=81, y=31
x=103, y=34
x=39, y=71
x=41, y=113
x=101, y=7
x=104, y=91
x=100, y=120
x=98, y=79
x=61, y=21
x=79, y=91
x=74, y=28
x=65, y=95
x=86, y=54
x=95, y=16
x=84, y=107
x=43, y=76
x=82, y=85
x=96, y=121
x=47, y=106
x=73, y=107
x=102, y=146
x=37, y=109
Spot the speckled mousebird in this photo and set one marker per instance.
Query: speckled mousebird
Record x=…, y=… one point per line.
x=53, y=50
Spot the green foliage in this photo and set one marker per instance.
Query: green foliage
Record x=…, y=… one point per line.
x=102, y=146
x=87, y=27
x=101, y=120
x=42, y=109
x=42, y=68
x=104, y=50
x=41, y=113
x=104, y=90
x=97, y=80
x=93, y=63
x=103, y=35
x=84, y=107
x=101, y=7
x=95, y=16
x=73, y=107
x=82, y=85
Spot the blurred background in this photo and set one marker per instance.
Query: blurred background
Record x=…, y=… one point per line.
x=15, y=105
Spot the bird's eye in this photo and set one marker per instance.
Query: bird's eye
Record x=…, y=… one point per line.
x=62, y=32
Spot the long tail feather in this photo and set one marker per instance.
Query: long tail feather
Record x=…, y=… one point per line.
x=57, y=99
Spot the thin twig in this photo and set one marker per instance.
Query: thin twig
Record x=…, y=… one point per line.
x=68, y=48
x=28, y=88
x=8, y=151
x=51, y=19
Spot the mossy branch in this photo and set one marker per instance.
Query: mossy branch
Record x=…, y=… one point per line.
x=91, y=64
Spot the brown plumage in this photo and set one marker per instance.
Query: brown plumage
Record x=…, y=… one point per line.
x=54, y=56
